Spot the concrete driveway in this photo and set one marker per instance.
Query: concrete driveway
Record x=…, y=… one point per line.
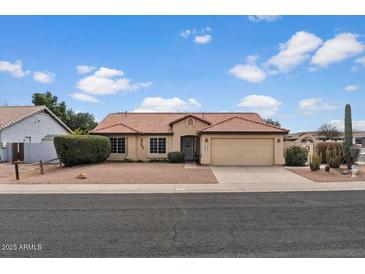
x=263, y=178
x=255, y=174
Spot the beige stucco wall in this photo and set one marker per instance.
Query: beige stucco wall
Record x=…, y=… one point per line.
x=182, y=128
x=206, y=142
x=138, y=147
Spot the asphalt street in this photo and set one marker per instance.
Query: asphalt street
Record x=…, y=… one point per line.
x=290, y=224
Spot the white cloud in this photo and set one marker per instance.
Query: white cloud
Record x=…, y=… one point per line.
x=200, y=36
x=44, y=77
x=159, y=104
x=104, y=72
x=295, y=51
x=84, y=97
x=194, y=102
x=266, y=106
x=185, y=33
x=266, y=18
x=14, y=69
x=341, y=47
x=352, y=88
x=360, y=61
x=249, y=71
x=315, y=104
x=203, y=39
x=356, y=125
x=108, y=81
x=82, y=69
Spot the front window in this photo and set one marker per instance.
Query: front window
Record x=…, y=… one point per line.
x=158, y=145
x=118, y=145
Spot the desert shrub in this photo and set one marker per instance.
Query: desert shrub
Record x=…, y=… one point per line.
x=296, y=156
x=75, y=150
x=334, y=157
x=355, y=153
x=176, y=157
x=315, y=161
x=323, y=146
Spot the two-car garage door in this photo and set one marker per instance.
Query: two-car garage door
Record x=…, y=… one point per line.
x=242, y=151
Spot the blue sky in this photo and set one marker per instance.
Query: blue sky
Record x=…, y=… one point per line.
x=300, y=70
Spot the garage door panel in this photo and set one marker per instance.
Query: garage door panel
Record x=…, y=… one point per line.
x=242, y=151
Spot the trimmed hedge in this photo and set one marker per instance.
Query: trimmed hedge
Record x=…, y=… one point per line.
x=176, y=157
x=296, y=156
x=322, y=147
x=75, y=150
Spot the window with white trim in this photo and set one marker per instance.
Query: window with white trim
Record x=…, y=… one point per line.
x=118, y=145
x=158, y=145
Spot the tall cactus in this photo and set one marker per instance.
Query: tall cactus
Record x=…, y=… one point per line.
x=348, y=136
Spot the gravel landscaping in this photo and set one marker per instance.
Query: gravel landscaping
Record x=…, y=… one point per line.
x=115, y=173
x=333, y=176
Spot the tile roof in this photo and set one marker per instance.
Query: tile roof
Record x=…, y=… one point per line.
x=10, y=115
x=117, y=128
x=160, y=123
x=240, y=124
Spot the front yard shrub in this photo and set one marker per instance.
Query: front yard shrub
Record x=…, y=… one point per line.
x=322, y=148
x=176, y=157
x=334, y=157
x=354, y=153
x=75, y=150
x=315, y=161
x=296, y=156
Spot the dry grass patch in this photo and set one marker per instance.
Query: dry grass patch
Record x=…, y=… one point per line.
x=123, y=173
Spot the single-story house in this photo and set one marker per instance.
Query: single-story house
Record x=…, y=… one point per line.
x=23, y=130
x=212, y=138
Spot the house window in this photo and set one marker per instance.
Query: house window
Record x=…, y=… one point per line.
x=158, y=145
x=118, y=145
x=190, y=122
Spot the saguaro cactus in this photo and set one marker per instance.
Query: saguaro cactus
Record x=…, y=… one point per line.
x=348, y=136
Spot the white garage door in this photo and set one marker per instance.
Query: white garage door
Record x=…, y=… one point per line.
x=238, y=151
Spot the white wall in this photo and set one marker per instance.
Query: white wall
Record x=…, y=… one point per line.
x=39, y=152
x=36, y=127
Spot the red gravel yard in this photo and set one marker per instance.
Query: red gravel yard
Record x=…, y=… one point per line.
x=121, y=173
x=333, y=176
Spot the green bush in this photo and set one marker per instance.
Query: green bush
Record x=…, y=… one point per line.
x=315, y=161
x=334, y=157
x=176, y=157
x=296, y=156
x=75, y=150
x=323, y=146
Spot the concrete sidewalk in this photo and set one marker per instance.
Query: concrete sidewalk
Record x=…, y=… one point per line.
x=176, y=188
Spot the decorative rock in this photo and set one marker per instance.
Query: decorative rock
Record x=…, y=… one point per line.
x=344, y=172
x=81, y=176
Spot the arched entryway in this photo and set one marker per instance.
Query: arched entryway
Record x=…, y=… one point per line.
x=189, y=145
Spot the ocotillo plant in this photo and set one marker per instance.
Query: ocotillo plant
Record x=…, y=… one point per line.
x=348, y=136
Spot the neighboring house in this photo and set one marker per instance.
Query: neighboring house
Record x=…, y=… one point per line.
x=25, y=132
x=358, y=137
x=213, y=138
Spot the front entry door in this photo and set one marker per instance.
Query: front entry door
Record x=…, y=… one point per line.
x=188, y=144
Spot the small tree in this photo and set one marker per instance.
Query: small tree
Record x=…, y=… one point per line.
x=329, y=131
x=272, y=122
x=348, y=136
